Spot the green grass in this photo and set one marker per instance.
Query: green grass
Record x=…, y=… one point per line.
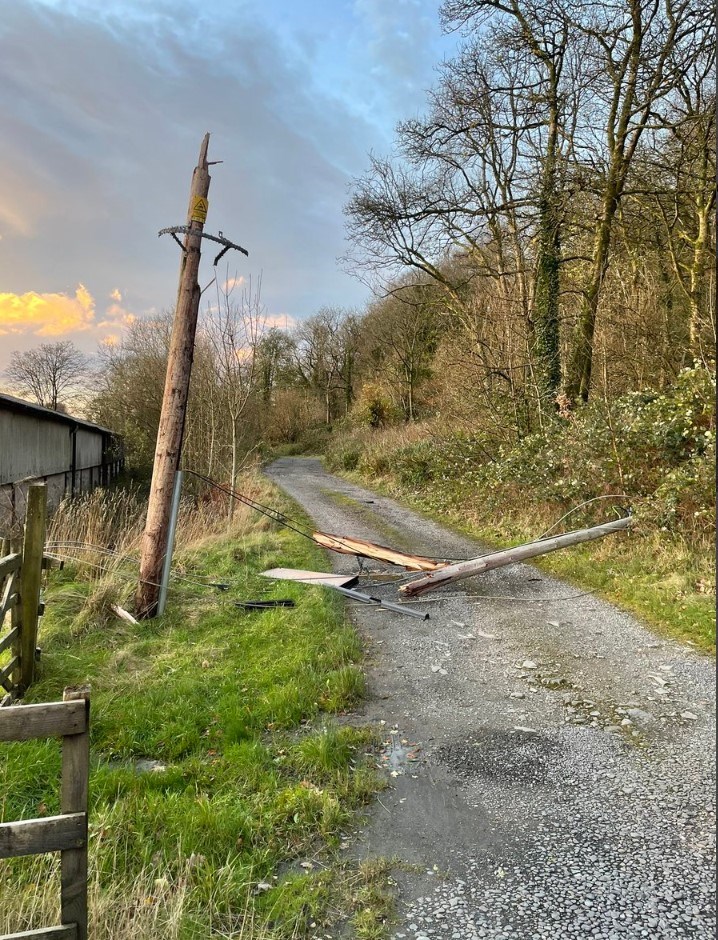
x=239, y=708
x=664, y=581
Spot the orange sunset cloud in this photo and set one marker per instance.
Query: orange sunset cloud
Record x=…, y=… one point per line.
x=47, y=314
x=58, y=314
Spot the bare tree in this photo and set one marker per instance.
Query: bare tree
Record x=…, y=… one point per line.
x=536, y=36
x=402, y=332
x=130, y=382
x=321, y=356
x=49, y=373
x=637, y=53
x=686, y=200
x=234, y=331
x=482, y=176
x=275, y=361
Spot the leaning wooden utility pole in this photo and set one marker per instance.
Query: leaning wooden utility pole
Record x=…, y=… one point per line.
x=174, y=400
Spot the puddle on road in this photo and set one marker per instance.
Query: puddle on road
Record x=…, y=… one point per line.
x=399, y=756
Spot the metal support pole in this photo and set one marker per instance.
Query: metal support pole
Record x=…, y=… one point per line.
x=368, y=599
x=167, y=564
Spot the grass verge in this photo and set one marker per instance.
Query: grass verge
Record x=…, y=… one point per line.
x=221, y=782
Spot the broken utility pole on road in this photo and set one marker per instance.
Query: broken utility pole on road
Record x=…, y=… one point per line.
x=177, y=381
x=511, y=556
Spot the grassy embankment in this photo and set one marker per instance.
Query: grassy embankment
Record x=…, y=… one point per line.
x=237, y=831
x=657, y=449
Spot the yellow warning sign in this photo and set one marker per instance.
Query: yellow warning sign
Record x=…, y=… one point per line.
x=198, y=212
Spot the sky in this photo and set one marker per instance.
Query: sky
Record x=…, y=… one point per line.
x=103, y=105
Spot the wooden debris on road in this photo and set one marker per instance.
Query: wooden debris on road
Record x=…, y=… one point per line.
x=347, y=545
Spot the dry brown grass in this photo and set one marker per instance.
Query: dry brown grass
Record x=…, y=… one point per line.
x=148, y=908
x=99, y=536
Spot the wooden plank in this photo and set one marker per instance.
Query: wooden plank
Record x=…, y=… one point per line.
x=123, y=614
x=8, y=640
x=68, y=932
x=311, y=577
x=31, y=579
x=346, y=545
x=10, y=563
x=7, y=594
x=6, y=672
x=7, y=605
x=36, y=836
x=511, y=556
x=73, y=799
x=25, y=722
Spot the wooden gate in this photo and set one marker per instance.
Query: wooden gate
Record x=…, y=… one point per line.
x=21, y=564
x=66, y=833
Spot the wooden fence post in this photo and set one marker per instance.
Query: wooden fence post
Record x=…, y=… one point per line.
x=16, y=623
x=73, y=799
x=30, y=580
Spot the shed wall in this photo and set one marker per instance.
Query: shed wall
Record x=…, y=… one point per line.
x=89, y=449
x=32, y=447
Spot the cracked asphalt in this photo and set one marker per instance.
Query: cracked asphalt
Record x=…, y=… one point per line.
x=551, y=761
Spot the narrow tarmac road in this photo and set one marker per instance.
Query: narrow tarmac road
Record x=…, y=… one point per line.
x=551, y=760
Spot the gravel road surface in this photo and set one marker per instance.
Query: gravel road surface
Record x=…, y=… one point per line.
x=551, y=761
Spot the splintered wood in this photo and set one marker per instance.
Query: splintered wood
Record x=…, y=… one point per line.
x=346, y=545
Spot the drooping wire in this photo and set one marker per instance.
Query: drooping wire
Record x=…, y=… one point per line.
x=479, y=597
x=274, y=514
x=294, y=525
x=587, y=502
x=56, y=549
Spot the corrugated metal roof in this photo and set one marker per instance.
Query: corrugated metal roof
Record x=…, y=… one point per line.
x=19, y=405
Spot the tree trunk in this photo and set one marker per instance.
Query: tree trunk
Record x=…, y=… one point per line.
x=578, y=383
x=546, y=340
x=234, y=470
x=696, y=280
x=546, y=345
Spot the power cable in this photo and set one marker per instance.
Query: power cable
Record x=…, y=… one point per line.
x=587, y=502
x=89, y=547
